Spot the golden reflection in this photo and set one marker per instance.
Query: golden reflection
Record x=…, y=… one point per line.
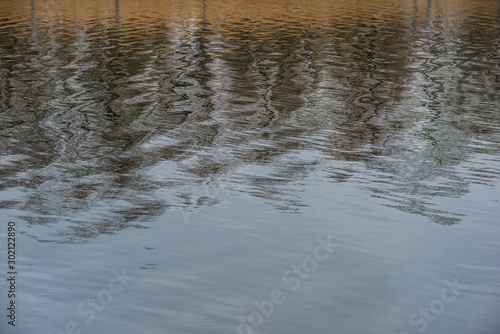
x=279, y=12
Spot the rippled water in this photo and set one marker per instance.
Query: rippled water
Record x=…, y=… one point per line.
x=205, y=146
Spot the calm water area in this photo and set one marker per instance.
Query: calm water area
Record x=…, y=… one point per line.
x=266, y=166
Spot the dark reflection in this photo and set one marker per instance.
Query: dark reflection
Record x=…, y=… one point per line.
x=100, y=112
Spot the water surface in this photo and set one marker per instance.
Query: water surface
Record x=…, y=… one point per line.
x=205, y=146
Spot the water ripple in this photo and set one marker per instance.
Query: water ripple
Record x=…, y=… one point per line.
x=104, y=106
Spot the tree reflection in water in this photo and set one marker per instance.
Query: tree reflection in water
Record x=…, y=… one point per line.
x=103, y=105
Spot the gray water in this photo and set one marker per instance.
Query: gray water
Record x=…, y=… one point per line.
x=251, y=166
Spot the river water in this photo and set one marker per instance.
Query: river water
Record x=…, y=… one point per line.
x=224, y=166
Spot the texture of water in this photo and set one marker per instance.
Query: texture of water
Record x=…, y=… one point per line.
x=203, y=147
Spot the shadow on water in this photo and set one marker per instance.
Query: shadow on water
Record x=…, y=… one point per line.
x=104, y=105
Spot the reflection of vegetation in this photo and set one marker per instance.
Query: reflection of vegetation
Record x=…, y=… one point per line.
x=88, y=105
